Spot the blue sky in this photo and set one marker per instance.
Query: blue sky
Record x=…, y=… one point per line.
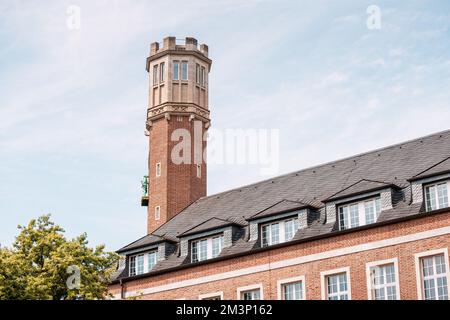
x=73, y=102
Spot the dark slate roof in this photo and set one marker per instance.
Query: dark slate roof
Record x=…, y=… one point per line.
x=362, y=186
x=211, y=224
x=392, y=165
x=441, y=167
x=145, y=241
x=280, y=207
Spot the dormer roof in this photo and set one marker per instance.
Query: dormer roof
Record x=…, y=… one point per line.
x=146, y=241
x=280, y=207
x=442, y=167
x=359, y=188
x=209, y=225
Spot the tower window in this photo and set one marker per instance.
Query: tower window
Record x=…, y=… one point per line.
x=199, y=171
x=184, y=70
x=158, y=169
x=202, y=77
x=197, y=73
x=157, y=212
x=176, y=70
x=155, y=74
x=161, y=73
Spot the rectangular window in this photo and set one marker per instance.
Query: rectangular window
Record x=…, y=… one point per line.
x=136, y=264
x=217, y=244
x=206, y=248
x=278, y=232
x=359, y=213
x=161, y=72
x=142, y=263
x=202, y=77
x=199, y=171
x=132, y=266
x=158, y=169
x=292, y=291
x=436, y=196
x=151, y=259
x=434, y=277
x=155, y=74
x=157, y=212
x=383, y=282
x=184, y=70
x=337, y=286
x=176, y=70
x=251, y=295
x=197, y=73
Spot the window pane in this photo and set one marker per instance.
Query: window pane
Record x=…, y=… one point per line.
x=430, y=197
x=155, y=74
x=442, y=195
x=265, y=235
x=275, y=233
x=343, y=217
x=369, y=210
x=140, y=264
x=132, y=266
x=161, y=75
x=184, y=70
x=354, y=215
x=194, y=251
x=217, y=243
x=176, y=71
x=151, y=260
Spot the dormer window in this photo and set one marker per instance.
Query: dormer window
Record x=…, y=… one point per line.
x=143, y=262
x=359, y=213
x=436, y=195
x=206, y=248
x=279, y=231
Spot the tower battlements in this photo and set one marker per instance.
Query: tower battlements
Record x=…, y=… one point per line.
x=172, y=43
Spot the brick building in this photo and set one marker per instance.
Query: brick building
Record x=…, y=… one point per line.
x=372, y=226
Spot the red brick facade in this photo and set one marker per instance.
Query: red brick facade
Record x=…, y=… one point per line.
x=178, y=186
x=403, y=241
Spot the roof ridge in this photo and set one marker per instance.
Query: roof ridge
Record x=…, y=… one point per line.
x=323, y=165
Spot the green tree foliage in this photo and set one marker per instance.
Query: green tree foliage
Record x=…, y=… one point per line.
x=43, y=264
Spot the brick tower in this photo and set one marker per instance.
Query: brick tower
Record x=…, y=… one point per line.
x=177, y=111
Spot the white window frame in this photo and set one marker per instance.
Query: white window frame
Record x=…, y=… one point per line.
x=281, y=230
x=157, y=212
x=293, y=280
x=419, y=275
x=436, y=195
x=208, y=296
x=361, y=212
x=324, y=286
x=158, y=169
x=209, y=247
x=253, y=287
x=146, y=261
x=375, y=264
